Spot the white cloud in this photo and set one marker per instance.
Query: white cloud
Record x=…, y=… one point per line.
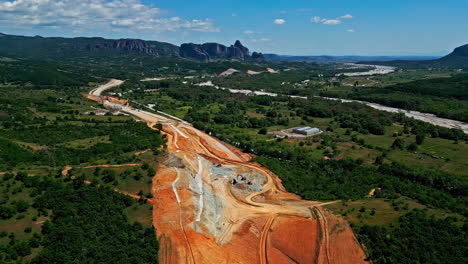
x=260, y=40
x=332, y=22
x=317, y=19
x=233, y=14
x=279, y=21
x=118, y=15
x=350, y=30
x=248, y=32
x=347, y=16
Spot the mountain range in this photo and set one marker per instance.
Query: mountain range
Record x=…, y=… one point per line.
x=55, y=46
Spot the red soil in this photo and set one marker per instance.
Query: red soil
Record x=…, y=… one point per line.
x=199, y=219
x=265, y=227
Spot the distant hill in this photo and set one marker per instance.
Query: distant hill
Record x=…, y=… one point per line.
x=41, y=47
x=325, y=58
x=458, y=59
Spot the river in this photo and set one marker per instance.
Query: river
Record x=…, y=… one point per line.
x=425, y=117
x=377, y=69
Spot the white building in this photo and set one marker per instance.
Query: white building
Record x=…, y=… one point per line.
x=306, y=130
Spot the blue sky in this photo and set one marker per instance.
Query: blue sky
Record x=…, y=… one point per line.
x=295, y=27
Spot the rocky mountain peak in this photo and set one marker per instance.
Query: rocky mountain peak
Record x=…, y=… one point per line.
x=238, y=44
x=214, y=51
x=258, y=56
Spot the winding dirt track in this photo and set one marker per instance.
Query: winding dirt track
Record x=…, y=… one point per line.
x=263, y=239
x=212, y=204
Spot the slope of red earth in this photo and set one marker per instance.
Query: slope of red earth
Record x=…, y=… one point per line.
x=212, y=204
x=252, y=221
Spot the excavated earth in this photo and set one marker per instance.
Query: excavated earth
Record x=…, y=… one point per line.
x=212, y=204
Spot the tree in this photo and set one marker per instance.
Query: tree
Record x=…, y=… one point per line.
x=97, y=171
x=419, y=138
x=379, y=160
x=412, y=147
x=263, y=131
x=21, y=206
x=6, y=212
x=151, y=172
x=398, y=143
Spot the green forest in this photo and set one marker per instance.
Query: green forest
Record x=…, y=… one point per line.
x=93, y=227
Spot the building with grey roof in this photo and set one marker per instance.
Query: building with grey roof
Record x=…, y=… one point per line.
x=306, y=130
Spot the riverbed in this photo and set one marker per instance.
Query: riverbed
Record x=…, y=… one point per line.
x=425, y=117
x=376, y=70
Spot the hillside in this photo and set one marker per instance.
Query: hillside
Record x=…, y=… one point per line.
x=458, y=58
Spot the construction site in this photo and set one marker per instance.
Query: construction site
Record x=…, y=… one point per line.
x=212, y=204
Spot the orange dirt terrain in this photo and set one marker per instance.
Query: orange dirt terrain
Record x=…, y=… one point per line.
x=212, y=204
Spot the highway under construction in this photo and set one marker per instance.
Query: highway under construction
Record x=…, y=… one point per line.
x=212, y=204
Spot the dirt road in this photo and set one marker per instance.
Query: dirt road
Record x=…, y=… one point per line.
x=212, y=204
x=111, y=84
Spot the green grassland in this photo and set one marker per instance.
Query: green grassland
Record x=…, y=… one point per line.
x=141, y=213
x=380, y=211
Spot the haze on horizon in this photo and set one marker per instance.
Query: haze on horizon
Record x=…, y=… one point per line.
x=299, y=27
